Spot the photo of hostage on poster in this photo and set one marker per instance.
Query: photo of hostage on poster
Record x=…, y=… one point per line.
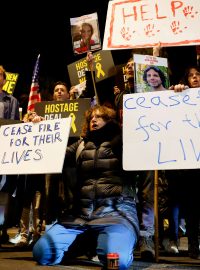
x=85, y=33
x=151, y=73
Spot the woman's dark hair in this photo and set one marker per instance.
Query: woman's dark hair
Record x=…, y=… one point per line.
x=160, y=73
x=184, y=80
x=107, y=115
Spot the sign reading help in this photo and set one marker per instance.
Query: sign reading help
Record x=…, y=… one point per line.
x=145, y=23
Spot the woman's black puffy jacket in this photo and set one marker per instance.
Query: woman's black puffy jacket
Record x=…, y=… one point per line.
x=106, y=193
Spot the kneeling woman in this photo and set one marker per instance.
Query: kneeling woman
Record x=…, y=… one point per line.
x=105, y=203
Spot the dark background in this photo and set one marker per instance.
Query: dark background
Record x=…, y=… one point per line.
x=32, y=28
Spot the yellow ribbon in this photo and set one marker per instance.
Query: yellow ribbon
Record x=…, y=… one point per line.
x=99, y=70
x=73, y=125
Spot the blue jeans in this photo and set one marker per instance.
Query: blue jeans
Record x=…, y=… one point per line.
x=146, y=204
x=50, y=248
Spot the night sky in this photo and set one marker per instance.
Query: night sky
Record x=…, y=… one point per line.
x=28, y=30
x=33, y=28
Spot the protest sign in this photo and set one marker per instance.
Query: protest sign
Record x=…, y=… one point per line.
x=60, y=109
x=145, y=23
x=11, y=81
x=34, y=148
x=103, y=66
x=144, y=62
x=161, y=130
x=85, y=33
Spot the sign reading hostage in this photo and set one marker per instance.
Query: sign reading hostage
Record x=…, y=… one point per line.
x=60, y=109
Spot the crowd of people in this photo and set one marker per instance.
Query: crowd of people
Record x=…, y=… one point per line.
x=94, y=200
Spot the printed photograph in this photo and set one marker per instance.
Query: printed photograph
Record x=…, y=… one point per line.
x=151, y=73
x=85, y=33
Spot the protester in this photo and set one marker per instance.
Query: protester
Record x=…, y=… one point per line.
x=145, y=181
x=9, y=109
x=105, y=200
x=58, y=194
x=89, y=91
x=61, y=92
x=129, y=88
x=31, y=188
x=184, y=187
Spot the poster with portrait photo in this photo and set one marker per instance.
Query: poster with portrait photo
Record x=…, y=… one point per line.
x=151, y=73
x=85, y=33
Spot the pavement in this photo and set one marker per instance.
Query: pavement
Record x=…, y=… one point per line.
x=12, y=258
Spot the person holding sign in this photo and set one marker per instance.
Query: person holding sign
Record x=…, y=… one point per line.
x=145, y=179
x=105, y=200
x=9, y=109
x=29, y=193
x=90, y=86
x=184, y=185
x=191, y=79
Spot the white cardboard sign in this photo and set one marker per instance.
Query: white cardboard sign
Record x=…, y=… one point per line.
x=145, y=23
x=161, y=130
x=34, y=148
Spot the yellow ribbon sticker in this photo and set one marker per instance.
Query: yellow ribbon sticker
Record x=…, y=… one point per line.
x=73, y=125
x=99, y=70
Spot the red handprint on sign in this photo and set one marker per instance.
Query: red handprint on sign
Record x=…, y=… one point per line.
x=149, y=30
x=125, y=32
x=188, y=12
x=175, y=27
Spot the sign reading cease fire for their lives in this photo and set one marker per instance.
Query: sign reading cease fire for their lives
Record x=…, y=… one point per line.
x=145, y=23
x=60, y=109
x=29, y=148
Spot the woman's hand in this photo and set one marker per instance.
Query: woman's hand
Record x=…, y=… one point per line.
x=32, y=117
x=178, y=87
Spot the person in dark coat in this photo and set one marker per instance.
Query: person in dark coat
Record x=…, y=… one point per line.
x=9, y=109
x=105, y=203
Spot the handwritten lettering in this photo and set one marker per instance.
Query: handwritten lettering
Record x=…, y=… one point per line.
x=15, y=130
x=154, y=127
x=148, y=102
x=185, y=149
x=135, y=24
x=25, y=155
x=164, y=127
x=48, y=138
